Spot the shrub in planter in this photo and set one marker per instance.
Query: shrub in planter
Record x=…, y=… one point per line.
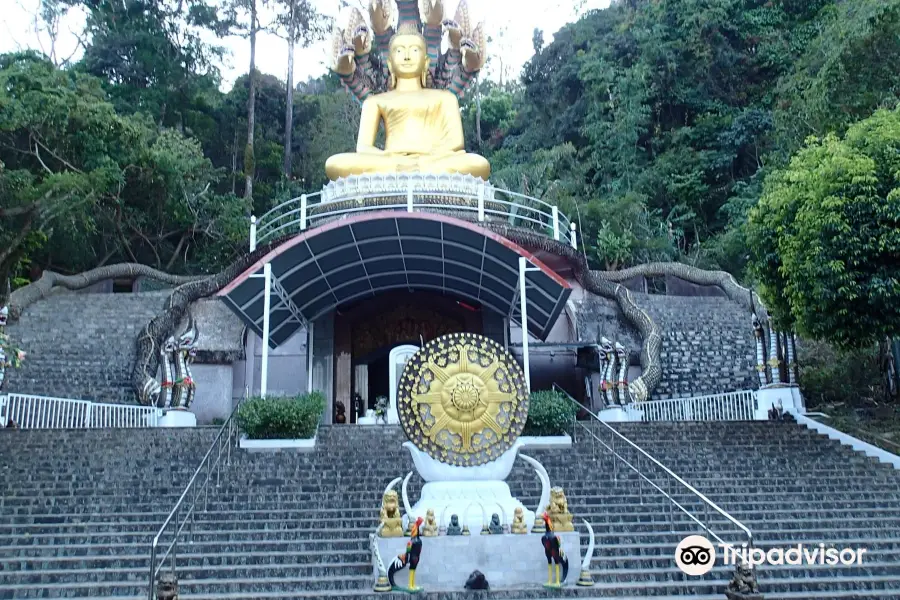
x=549, y=413
x=288, y=418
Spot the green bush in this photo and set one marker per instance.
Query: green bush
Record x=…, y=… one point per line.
x=830, y=376
x=281, y=418
x=549, y=413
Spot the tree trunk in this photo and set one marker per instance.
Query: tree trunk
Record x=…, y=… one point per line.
x=22, y=298
x=289, y=108
x=234, y=155
x=478, y=111
x=249, y=157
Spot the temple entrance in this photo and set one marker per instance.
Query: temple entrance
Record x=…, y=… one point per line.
x=375, y=338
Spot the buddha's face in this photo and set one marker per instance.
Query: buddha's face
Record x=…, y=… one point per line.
x=408, y=56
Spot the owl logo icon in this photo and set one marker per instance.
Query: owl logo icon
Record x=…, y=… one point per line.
x=695, y=555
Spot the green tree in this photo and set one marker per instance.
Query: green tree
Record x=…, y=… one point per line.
x=825, y=237
x=82, y=186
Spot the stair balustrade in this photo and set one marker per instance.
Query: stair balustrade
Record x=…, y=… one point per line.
x=653, y=474
x=183, y=514
x=729, y=406
x=27, y=411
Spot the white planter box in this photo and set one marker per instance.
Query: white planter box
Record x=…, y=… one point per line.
x=307, y=445
x=548, y=442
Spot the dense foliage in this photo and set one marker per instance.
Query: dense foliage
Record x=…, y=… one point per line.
x=826, y=235
x=275, y=418
x=656, y=122
x=549, y=413
x=653, y=125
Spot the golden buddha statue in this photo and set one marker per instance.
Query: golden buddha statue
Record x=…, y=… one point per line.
x=423, y=127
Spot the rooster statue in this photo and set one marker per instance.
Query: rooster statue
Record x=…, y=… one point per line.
x=554, y=553
x=410, y=557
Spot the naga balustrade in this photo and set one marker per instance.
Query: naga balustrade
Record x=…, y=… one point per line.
x=627, y=456
x=27, y=411
x=729, y=406
x=463, y=196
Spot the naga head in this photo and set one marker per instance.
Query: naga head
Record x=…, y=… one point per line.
x=607, y=347
x=170, y=345
x=757, y=326
x=621, y=352
x=4, y=315
x=187, y=339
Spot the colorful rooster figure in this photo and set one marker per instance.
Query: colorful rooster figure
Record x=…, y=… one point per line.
x=554, y=553
x=410, y=557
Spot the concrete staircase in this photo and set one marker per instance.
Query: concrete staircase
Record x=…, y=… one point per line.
x=81, y=345
x=708, y=345
x=79, y=509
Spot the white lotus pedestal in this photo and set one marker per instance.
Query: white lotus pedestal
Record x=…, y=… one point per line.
x=178, y=418
x=471, y=493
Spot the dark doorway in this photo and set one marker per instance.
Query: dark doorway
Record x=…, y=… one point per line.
x=379, y=379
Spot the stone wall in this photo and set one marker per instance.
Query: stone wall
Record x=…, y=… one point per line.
x=81, y=345
x=707, y=347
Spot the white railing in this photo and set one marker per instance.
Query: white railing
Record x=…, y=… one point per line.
x=411, y=194
x=27, y=411
x=730, y=406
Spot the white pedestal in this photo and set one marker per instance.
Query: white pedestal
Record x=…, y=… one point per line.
x=618, y=414
x=472, y=501
x=178, y=418
x=769, y=396
x=507, y=561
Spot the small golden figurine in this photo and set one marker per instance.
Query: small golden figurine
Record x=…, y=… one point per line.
x=559, y=511
x=518, y=524
x=430, y=528
x=390, y=515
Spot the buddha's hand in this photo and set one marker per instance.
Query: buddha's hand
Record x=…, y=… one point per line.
x=432, y=12
x=454, y=32
x=380, y=15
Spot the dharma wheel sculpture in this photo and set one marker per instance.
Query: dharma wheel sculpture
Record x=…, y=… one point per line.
x=462, y=399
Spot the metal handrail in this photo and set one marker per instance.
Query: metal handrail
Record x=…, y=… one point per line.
x=616, y=435
x=222, y=439
x=535, y=213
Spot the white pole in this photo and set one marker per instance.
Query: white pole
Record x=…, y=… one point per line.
x=252, y=233
x=303, y=209
x=574, y=236
x=555, y=223
x=523, y=304
x=309, y=357
x=267, y=304
x=481, y=202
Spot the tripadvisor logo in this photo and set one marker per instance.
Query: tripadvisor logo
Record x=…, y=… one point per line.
x=695, y=555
